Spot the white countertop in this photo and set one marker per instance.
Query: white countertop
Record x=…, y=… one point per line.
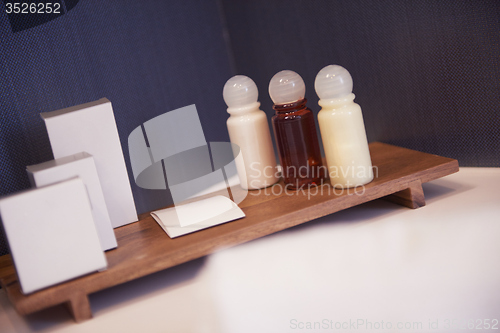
x=378, y=262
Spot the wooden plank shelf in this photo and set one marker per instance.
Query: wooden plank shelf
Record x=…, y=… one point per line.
x=144, y=248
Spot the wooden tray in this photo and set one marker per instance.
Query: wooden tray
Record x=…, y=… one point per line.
x=144, y=248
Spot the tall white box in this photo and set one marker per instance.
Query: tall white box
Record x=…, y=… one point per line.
x=91, y=128
x=51, y=234
x=78, y=165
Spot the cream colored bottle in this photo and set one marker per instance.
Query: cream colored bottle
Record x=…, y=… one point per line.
x=342, y=129
x=248, y=128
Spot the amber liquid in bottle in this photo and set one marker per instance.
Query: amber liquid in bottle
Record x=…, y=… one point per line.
x=298, y=147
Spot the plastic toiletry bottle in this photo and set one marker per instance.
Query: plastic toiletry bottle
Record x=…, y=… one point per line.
x=249, y=129
x=295, y=132
x=342, y=129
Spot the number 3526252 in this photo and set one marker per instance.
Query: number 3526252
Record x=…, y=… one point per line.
x=32, y=8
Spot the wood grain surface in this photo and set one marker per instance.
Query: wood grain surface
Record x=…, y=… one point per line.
x=144, y=248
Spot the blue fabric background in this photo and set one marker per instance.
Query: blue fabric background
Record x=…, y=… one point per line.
x=426, y=73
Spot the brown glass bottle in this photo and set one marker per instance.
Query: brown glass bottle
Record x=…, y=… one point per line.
x=297, y=142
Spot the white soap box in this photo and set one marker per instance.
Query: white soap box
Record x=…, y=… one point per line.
x=78, y=165
x=51, y=234
x=91, y=127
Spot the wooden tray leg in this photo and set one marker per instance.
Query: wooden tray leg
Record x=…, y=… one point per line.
x=79, y=306
x=412, y=197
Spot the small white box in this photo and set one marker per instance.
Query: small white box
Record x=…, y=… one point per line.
x=91, y=127
x=51, y=234
x=78, y=165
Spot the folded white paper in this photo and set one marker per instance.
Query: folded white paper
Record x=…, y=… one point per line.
x=187, y=218
x=51, y=234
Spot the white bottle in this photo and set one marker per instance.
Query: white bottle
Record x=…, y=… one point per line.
x=342, y=129
x=248, y=128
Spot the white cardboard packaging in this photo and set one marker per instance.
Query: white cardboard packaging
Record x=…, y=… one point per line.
x=51, y=234
x=78, y=165
x=91, y=127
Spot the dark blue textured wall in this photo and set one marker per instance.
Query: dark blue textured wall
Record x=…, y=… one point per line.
x=147, y=57
x=426, y=73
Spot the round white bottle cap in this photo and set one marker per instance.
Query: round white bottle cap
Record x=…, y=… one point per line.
x=286, y=87
x=333, y=81
x=240, y=90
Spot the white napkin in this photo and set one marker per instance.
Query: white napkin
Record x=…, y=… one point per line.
x=184, y=219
